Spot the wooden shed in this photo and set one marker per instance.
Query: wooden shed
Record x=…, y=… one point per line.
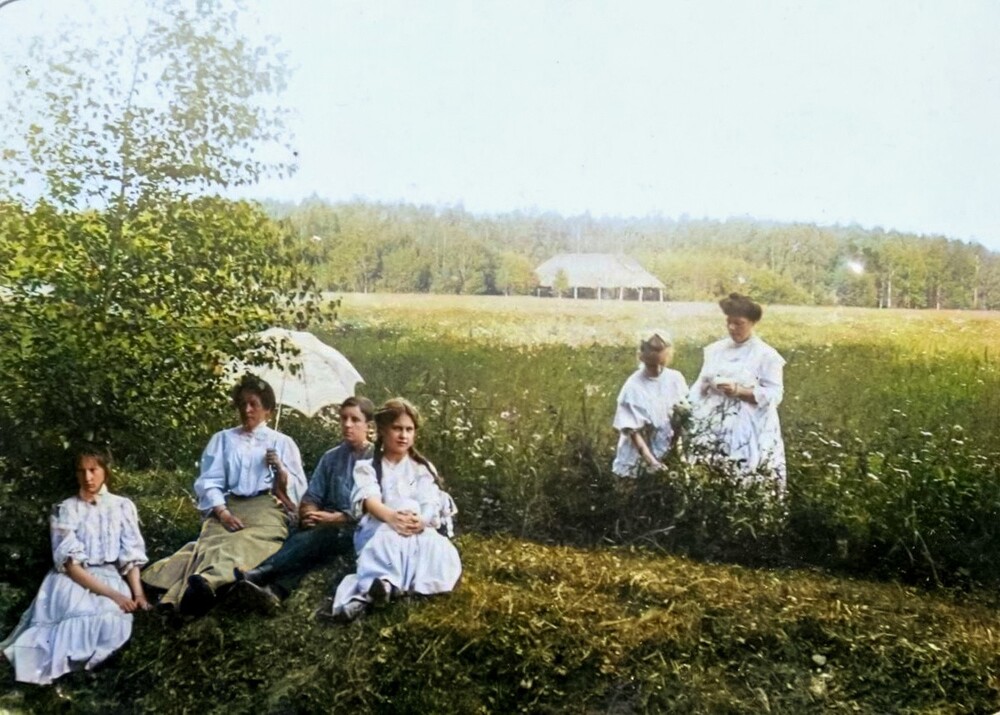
x=598, y=275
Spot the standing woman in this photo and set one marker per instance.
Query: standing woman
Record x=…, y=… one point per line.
x=734, y=401
x=83, y=611
x=251, y=481
x=401, y=508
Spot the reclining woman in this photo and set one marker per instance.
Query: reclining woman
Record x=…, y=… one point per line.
x=251, y=481
x=83, y=611
x=326, y=521
x=401, y=507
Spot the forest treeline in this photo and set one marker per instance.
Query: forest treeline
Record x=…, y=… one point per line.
x=365, y=247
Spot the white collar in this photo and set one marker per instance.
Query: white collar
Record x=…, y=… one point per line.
x=98, y=498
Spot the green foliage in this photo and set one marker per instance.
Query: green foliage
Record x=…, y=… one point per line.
x=125, y=286
x=175, y=101
x=401, y=248
x=116, y=332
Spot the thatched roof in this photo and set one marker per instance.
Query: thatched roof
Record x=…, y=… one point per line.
x=597, y=270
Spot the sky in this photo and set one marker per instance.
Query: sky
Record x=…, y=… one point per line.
x=877, y=112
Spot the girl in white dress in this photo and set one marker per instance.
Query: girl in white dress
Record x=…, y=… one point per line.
x=83, y=611
x=401, y=507
x=645, y=404
x=735, y=399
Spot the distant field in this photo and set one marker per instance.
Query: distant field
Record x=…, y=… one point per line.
x=847, y=367
x=525, y=320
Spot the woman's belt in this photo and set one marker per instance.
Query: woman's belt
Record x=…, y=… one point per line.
x=261, y=493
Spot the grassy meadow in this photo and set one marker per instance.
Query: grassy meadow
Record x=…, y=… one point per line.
x=889, y=420
x=871, y=590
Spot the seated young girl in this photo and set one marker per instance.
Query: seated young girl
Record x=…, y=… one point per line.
x=400, y=505
x=645, y=404
x=83, y=611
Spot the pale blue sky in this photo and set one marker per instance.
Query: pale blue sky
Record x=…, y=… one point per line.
x=881, y=112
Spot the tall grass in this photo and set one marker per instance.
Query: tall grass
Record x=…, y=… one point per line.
x=889, y=421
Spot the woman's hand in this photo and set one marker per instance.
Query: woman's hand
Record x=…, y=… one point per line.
x=729, y=389
x=124, y=602
x=406, y=523
x=318, y=517
x=141, y=603
x=271, y=459
x=228, y=519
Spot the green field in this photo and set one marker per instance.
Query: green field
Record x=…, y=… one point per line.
x=872, y=592
x=849, y=366
x=889, y=420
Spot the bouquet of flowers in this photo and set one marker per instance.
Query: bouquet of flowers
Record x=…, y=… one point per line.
x=680, y=416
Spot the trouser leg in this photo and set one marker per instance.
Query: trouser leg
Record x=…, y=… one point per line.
x=304, y=550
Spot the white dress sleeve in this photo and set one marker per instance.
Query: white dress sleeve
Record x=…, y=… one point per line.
x=365, y=486
x=629, y=415
x=698, y=391
x=66, y=545
x=132, y=550
x=429, y=497
x=770, y=387
x=210, y=486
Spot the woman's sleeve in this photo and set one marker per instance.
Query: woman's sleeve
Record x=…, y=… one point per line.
x=696, y=394
x=316, y=491
x=365, y=486
x=770, y=387
x=132, y=550
x=210, y=486
x=63, y=523
x=628, y=414
x=429, y=497
x=292, y=459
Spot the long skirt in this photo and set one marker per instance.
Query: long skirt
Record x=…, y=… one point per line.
x=217, y=552
x=68, y=627
x=425, y=564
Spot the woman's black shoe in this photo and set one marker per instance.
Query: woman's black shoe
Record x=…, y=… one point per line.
x=198, y=597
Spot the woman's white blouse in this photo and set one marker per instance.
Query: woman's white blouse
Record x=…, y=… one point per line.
x=750, y=433
x=94, y=534
x=752, y=363
x=233, y=463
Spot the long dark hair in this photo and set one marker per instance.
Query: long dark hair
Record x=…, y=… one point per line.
x=388, y=413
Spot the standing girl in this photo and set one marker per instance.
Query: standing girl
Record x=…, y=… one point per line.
x=645, y=404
